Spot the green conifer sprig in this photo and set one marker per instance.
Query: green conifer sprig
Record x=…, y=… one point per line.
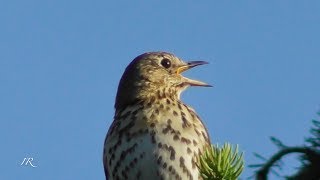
x=221, y=163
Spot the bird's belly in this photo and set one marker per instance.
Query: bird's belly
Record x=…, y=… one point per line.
x=176, y=153
x=156, y=156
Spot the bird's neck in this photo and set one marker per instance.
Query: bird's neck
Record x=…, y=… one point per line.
x=162, y=93
x=148, y=93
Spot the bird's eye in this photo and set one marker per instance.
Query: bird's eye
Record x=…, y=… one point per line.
x=166, y=63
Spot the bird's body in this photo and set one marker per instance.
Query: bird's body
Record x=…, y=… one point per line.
x=154, y=135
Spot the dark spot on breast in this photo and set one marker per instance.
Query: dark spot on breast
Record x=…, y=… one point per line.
x=178, y=132
x=124, y=116
x=175, y=137
x=185, y=122
x=185, y=140
x=205, y=136
x=131, y=164
x=148, y=104
x=140, y=103
x=123, y=155
x=192, y=115
x=175, y=113
x=135, y=112
x=164, y=165
x=189, y=150
x=115, y=169
x=196, y=130
x=194, y=142
x=127, y=151
x=132, y=148
x=165, y=130
x=182, y=162
x=126, y=128
x=153, y=138
x=168, y=101
x=159, y=160
x=173, y=153
x=164, y=94
x=142, y=155
x=172, y=170
x=178, y=177
x=193, y=162
x=159, y=95
x=114, y=126
x=110, y=162
x=184, y=168
x=199, y=152
x=152, y=99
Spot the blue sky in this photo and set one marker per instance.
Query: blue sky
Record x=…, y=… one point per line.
x=60, y=63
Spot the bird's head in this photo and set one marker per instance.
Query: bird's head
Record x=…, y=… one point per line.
x=152, y=73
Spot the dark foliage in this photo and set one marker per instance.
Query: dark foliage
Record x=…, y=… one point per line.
x=309, y=158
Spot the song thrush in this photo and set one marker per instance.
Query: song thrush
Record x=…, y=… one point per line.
x=154, y=135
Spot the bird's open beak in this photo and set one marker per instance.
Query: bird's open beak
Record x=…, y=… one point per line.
x=190, y=65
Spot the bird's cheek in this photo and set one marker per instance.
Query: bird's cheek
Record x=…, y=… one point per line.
x=167, y=80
